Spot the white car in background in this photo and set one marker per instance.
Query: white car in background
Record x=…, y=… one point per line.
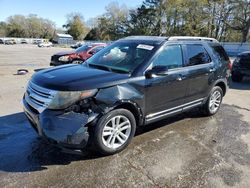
x=45, y=44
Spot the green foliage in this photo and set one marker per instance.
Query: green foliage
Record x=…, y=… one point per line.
x=75, y=26
x=30, y=26
x=111, y=25
x=3, y=29
x=225, y=20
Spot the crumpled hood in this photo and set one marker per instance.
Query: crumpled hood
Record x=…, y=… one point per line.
x=76, y=78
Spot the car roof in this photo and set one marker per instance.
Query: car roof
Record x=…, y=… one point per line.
x=191, y=38
x=140, y=37
x=160, y=39
x=98, y=44
x=151, y=40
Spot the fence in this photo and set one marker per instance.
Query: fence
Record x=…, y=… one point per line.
x=233, y=48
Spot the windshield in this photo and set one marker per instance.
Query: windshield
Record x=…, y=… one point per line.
x=122, y=56
x=83, y=48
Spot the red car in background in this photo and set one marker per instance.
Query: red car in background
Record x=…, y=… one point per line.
x=76, y=56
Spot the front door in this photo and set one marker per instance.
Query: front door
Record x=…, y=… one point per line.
x=165, y=93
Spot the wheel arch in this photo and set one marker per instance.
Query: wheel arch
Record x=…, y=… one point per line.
x=222, y=85
x=133, y=108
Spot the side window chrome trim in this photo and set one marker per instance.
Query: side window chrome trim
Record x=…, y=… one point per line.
x=192, y=67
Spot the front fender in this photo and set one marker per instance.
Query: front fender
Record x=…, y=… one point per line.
x=124, y=96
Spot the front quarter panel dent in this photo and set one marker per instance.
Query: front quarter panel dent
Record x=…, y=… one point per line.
x=117, y=93
x=111, y=97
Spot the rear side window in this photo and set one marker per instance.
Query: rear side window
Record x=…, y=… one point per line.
x=97, y=49
x=197, y=55
x=220, y=53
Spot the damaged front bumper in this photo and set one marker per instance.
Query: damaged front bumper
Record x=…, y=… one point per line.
x=64, y=129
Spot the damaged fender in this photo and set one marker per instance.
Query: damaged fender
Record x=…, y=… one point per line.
x=119, y=95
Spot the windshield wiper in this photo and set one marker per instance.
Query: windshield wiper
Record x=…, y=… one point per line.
x=110, y=69
x=119, y=70
x=102, y=67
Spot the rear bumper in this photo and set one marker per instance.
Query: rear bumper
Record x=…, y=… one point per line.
x=66, y=130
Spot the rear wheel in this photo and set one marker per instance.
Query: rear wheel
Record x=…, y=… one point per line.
x=213, y=103
x=114, y=131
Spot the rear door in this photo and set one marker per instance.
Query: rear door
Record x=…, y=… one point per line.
x=200, y=70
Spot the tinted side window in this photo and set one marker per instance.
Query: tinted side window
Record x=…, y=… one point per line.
x=220, y=53
x=197, y=55
x=170, y=56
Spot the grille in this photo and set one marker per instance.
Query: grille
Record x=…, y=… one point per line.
x=54, y=58
x=38, y=97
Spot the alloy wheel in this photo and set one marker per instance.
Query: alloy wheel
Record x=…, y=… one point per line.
x=215, y=101
x=116, y=132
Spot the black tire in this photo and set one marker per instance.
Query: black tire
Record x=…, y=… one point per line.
x=237, y=77
x=99, y=145
x=206, y=107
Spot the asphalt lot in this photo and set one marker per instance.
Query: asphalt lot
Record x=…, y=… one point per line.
x=184, y=151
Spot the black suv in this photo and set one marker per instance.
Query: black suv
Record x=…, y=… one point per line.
x=133, y=82
x=241, y=66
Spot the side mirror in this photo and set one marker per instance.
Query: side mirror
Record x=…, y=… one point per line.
x=156, y=70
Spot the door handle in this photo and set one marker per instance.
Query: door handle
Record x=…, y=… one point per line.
x=179, y=78
x=211, y=69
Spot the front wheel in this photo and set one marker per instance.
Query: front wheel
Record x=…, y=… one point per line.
x=214, y=100
x=114, y=131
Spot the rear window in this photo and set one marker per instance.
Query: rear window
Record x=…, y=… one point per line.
x=245, y=59
x=220, y=53
x=97, y=49
x=83, y=48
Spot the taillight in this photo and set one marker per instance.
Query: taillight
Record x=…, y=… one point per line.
x=230, y=65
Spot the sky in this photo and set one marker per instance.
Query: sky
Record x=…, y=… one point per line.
x=56, y=10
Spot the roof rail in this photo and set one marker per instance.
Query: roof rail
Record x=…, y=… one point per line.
x=193, y=38
x=146, y=37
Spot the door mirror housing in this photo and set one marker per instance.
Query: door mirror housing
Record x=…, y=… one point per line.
x=156, y=70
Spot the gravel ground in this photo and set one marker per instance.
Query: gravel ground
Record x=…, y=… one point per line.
x=183, y=151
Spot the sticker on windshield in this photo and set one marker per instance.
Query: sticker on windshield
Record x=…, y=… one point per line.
x=145, y=47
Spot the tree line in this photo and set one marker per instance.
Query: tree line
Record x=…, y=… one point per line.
x=225, y=20
x=29, y=26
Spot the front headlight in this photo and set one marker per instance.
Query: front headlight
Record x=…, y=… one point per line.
x=64, y=99
x=64, y=58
